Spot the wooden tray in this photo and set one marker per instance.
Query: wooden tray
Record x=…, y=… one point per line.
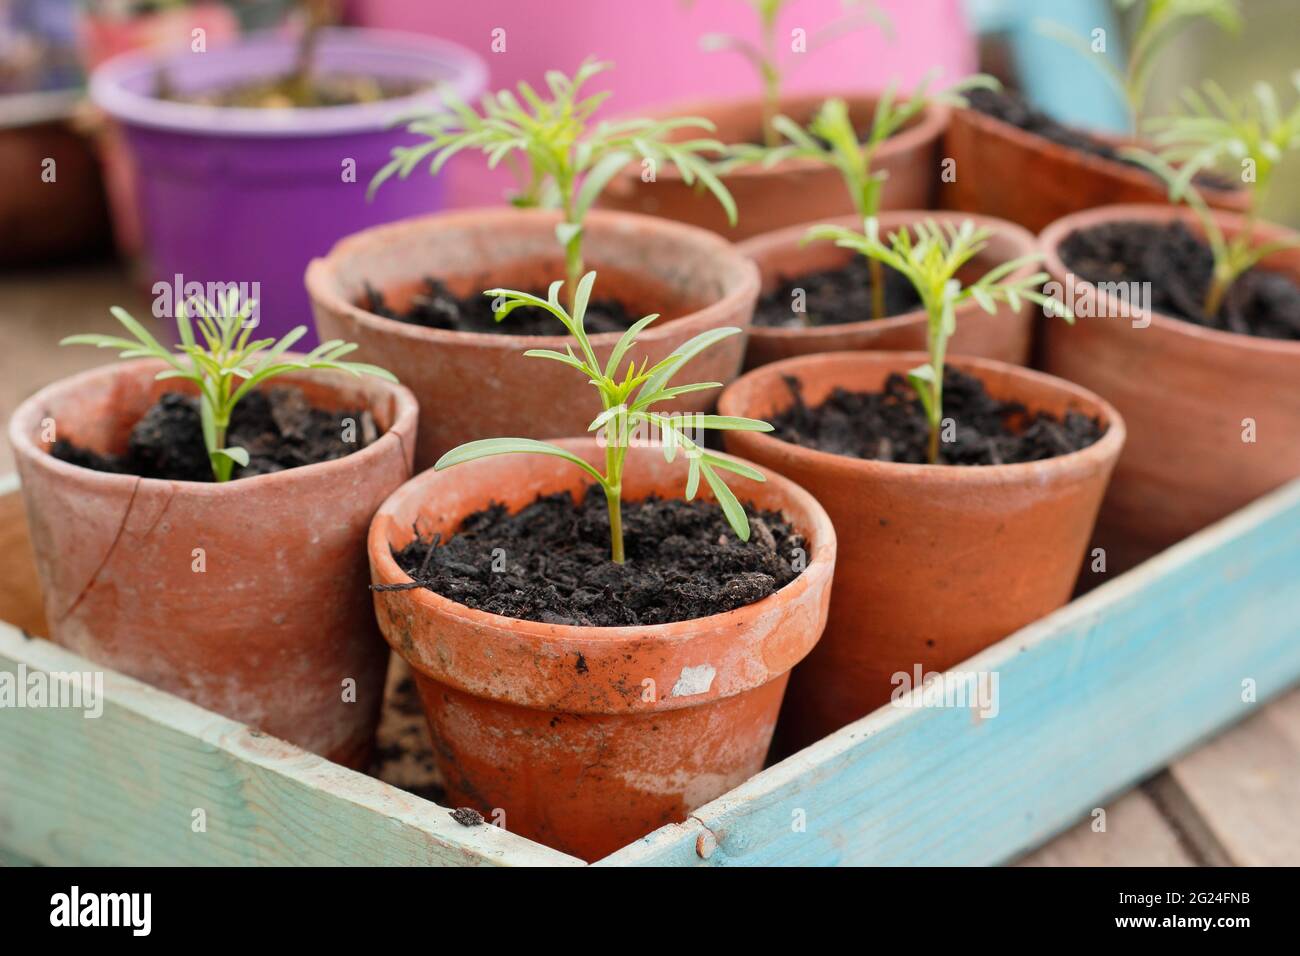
x=1093, y=698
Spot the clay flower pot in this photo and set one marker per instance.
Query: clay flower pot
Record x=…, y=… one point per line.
x=792, y=192
x=1186, y=392
x=466, y=382
x=1005, y=335
x=1004, y=171
x=936, y=562
x=589, y=737
x=249, y=597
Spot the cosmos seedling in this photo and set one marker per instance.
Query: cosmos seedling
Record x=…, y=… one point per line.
x=226, y=366
x=560, y=159
x=1251, y=134
x=831, y=138
x=931, y=261
x=766, y=61
x=627, y=400
x=1158, y=23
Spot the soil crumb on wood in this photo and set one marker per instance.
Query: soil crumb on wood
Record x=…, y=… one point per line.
x=467, y=817
x=437, y=307
x=278, y=428
x=891, y=425
x=683, y=562
x=1179, y=266
x=833, y=297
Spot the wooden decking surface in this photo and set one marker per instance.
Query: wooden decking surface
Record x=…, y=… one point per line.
x=1232, y=801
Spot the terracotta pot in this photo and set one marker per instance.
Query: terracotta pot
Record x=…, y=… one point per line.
x=792, y=192
x=267, y=621
x=936, y=562
x=1003, y=171
x=589, y=737
x=1185, y=392
x=1006, y=335
x=47, y=221
x=467, y=383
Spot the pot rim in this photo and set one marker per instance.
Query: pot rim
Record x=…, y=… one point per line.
x=820, y=535
x=1050, y=240
x=1106, y=448
x=889, y=220
x=400, y=432
x=322, y=289
x=992, y=126
x=463, y=69
x=929, y=125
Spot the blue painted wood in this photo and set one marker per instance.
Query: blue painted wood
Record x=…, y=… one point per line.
x=1092, y=699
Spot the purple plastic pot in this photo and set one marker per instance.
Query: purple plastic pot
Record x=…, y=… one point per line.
x=252, y=195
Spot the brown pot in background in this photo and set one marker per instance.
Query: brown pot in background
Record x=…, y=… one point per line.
x=1185, y=391
x=64, y=217
x=792, y=192
x=1006, y=335
x=935, y=562
x=467, y=383
x=279, y=615
x=560, y=727
x=1003, y=171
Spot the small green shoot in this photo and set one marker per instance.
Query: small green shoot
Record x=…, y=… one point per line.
x=559, y=157
x=832, y=139
x=1250, y=135
x=931, y=262
x=1158, y=22
x=627, y=402
x=226, y=366
x=766, y=61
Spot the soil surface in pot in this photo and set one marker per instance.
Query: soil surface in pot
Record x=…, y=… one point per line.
x=833, y=297
x=278, y=428
x=891, y=425
x=1179, y=266
x=439, y=308
x=289, y=92
x=683, y=562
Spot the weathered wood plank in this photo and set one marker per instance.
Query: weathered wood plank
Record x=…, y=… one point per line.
x=1135, y=834
x=123, y=788
x=1092, y=699
x=1238, y=796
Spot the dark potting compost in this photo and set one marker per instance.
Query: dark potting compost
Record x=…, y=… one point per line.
x=833, y=297
x=1179, y=266
x=891, y=425
x=683, y=561
x=278, y=428
x=439, y=308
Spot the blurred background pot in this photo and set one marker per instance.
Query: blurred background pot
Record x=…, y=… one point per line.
x=468, y=383
x=250, y=195
x=782, y=255
x=936, y=562
x=279, y=616
x=792, y=192
x=552, y=724
x=1186, y=392
x=1004, y=171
